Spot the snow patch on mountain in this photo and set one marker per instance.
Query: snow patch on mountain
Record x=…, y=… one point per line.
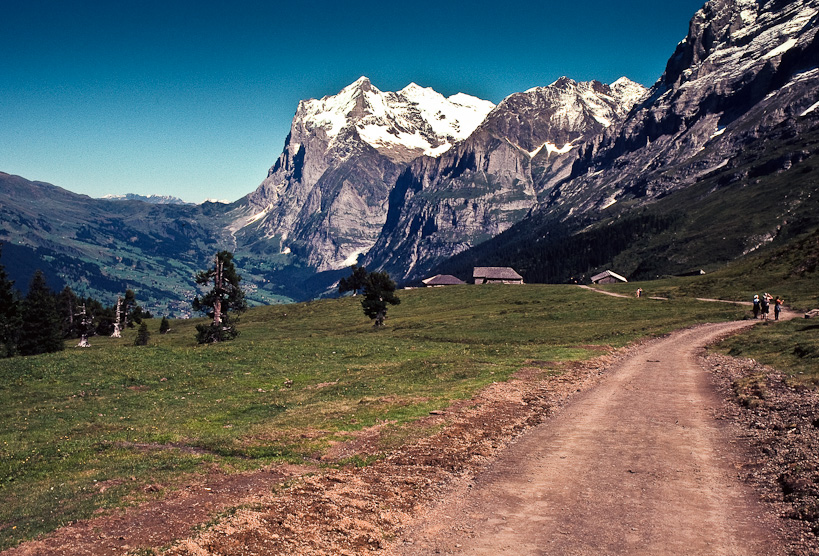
x=415, y=118
x=152, y=199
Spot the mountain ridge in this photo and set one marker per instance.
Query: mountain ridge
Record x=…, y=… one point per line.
x=732, y=114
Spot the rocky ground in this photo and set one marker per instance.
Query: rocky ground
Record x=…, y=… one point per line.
x=781, y=425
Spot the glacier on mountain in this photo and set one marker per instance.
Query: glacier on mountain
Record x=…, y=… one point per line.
x=416, y=118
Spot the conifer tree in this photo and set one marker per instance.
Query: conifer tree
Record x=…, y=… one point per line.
x=142, y=335
x=41, y=331
x=225, y=297
x=164, y=326
x=10, y=315
x=379, y=290
x=355, y=281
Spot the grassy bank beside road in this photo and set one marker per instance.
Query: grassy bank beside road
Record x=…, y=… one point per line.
x=86, y=429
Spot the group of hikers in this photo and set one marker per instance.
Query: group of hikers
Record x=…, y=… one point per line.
x=762, y=305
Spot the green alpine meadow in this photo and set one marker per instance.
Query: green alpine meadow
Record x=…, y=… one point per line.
x=88, y=429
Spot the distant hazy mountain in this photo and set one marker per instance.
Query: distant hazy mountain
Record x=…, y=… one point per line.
x=153, y=199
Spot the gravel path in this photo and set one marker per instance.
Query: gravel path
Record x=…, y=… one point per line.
x=637, y=465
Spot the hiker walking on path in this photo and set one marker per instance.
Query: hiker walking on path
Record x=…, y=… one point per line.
x=756, y=306
x=778, y=307
x=765, y=305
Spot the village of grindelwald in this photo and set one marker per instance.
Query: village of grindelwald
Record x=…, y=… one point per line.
x=458, y=278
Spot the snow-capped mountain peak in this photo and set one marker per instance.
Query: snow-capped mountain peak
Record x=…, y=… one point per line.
x=402, y=125
x=629, y=92
x=152, y=198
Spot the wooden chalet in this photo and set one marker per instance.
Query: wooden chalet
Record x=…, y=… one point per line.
x=607, y=277
x=496, y=275
x=442, y=280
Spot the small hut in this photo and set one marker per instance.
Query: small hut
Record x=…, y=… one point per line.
x=442, y=280
x=607, y=277
x=496, y=275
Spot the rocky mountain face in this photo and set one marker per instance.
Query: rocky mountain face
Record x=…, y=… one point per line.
x=325, y=198
x=715, y=162
x=443, y=205
x=410, y=178
x=745, y=67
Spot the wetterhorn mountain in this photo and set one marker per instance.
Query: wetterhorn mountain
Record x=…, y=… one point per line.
x=718, y=159
x=325, y=198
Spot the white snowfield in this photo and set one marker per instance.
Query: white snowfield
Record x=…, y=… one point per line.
x=415, y=117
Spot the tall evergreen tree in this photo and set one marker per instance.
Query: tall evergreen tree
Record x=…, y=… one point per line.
x=226, y=296
x=142, y=335
x=379, y=291
x=42, y=327
x=69, y=306
x=10, y=315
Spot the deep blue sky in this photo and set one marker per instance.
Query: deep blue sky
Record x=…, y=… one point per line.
x=194, y=99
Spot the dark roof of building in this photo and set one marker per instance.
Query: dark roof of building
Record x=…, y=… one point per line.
x=443, y=280
x=496, y=273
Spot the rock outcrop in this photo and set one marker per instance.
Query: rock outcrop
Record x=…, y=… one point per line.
x=745, y=67
x=325, y=199
x=444, y=205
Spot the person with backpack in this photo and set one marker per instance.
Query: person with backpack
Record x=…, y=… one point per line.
x=756, y=306
x=778, y=307
x=764, y=305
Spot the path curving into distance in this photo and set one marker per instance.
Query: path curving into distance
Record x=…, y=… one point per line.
x=639, y=465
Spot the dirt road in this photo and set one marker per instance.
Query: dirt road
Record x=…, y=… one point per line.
x=637, y=465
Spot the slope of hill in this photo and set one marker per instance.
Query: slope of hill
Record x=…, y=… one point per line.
x=764, y=198
x=102, y=247
x=719, y=160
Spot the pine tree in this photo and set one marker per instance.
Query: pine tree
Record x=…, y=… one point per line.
x=133, y=313
x=379, y=290
x=224, y=297
x=11, y=320
x=142, y=335
x=355, y=281
x=164, y=326
x=42, y=328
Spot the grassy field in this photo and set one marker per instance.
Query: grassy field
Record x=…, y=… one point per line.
x=789, y=272
x=792, y=347
x=89, y=428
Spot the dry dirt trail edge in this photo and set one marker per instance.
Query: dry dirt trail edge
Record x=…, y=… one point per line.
x=637, y=465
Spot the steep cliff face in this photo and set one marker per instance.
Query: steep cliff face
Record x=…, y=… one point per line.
x=325, y=198
x=745, y=67
x=484, y=184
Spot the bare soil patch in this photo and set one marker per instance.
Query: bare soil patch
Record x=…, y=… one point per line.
x=780, y=425
x=319, y=510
